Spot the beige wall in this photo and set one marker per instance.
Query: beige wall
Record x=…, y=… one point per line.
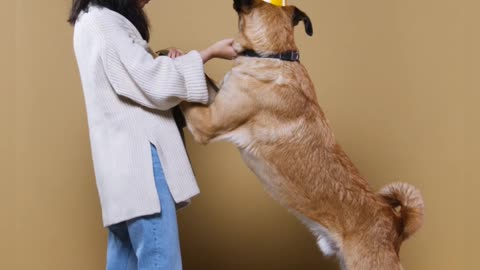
x=7, y=119
x=397, y=79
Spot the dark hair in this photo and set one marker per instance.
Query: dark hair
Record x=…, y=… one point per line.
x=128, y=8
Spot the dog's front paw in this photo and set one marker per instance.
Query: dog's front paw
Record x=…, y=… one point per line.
x=198, y=123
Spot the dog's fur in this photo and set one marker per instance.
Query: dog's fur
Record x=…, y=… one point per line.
x=268, y=108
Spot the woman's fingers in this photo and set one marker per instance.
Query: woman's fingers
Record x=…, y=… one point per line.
x=174, y=53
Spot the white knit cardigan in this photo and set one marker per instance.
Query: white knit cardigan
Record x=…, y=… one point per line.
x=128, y=97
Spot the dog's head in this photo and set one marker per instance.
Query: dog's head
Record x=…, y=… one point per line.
x=267, y=28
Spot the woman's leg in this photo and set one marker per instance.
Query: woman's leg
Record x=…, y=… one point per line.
x=155, y=238
x=120, y=254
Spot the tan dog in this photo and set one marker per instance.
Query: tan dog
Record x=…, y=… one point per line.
x=269, y=110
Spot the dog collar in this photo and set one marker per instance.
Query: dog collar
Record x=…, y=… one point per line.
x=291, y=56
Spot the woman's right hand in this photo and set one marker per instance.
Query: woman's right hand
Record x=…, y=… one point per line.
x=222, y=49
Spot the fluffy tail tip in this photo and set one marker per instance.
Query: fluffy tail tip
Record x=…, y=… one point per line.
x=409, y=202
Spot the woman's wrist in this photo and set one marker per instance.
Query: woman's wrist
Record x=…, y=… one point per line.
x=206, y=55
x=222, y=49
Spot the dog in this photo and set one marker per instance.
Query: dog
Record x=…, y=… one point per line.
x=268, y=108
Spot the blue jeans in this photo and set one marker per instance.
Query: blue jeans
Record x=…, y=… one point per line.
x=149, y=242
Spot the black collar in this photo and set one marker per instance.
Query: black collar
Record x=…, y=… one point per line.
x=292, y=56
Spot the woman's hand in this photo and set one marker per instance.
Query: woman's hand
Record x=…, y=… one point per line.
x=170, y=52
x=174, y=53
x=222, y=49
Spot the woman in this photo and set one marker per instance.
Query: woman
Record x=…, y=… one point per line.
x=129, y=96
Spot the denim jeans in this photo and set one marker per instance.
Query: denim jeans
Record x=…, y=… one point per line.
x=149, y=242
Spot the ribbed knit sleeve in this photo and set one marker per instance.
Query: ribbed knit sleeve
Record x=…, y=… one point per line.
x=158, y=83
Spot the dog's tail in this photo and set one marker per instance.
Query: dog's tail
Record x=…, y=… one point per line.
x=408, y=202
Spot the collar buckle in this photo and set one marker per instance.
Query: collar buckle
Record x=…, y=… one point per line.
x=294, y=56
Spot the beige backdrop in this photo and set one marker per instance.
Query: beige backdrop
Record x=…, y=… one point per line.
x=397, y=79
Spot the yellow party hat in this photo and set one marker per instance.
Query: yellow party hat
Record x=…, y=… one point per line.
x=280, y=3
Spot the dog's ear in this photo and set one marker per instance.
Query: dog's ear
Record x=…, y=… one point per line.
x=298, y=16
x=242, y=5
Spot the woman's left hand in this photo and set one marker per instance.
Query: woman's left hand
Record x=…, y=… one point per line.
x=174, y=53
